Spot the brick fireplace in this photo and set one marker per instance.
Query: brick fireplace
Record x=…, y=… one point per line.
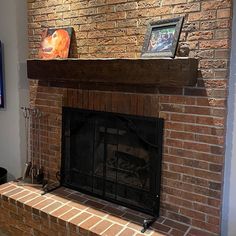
x=188, y=198
x=193, y=151
x=193, y=139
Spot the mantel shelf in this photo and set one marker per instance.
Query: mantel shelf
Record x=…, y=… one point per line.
x=162, y=72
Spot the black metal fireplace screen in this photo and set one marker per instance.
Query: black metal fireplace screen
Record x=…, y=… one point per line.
x=115, y=157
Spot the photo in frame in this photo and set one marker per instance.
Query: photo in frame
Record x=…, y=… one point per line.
x=1, y=77
x=162, y=38
x=55, y=43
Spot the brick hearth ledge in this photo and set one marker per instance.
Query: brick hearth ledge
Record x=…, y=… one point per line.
x=23, y=211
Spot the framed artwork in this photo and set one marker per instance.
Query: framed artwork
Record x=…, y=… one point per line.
x=1, y=78
x=55, y=43
x=162, y=38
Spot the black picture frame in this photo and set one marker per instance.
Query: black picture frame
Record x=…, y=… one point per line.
x=1, y=78
x=162, y=38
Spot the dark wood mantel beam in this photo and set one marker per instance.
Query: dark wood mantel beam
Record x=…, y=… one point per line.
x=176, y=72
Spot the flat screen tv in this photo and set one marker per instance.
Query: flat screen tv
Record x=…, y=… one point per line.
x=1, y=78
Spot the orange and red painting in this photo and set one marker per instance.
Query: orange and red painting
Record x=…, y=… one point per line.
x=55, y=43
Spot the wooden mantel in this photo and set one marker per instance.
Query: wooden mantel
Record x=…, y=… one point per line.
x=161, y=72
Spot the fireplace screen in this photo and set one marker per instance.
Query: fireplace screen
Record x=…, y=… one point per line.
x=113, y=156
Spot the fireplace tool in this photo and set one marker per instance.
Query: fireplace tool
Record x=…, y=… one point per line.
x=39, y=174
x=33, y=169
x=33, y=174
x=26, y=121
x=36, y=170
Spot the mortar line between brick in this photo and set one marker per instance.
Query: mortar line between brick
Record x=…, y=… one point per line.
x=200, y=203
x=115, y=221
x=195, y=193
x=41, y=209
x=25, y=203
x=197, y=142
x=70, y=191
x=54, y=209
x=118, y=223
x=193, y=105
x=200, y=178
x=124, y=228
x=6, y=186
x=18, y=199
x=171, y=228
x=204, y=230
x=73, y=207
x=187, y=231
x=120, y=229
x=15, y=194
x=95, y=224
x=3, y=193
x=174, y=155
x=62, y=213
x=84, y=220
x=195, y=123
x=192, y=132
x=136, y=233
x=192, y=150
x=58, y=217
x=68, y=221
x=107, y=228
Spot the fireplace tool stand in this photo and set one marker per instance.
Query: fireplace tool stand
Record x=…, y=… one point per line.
x=33, y=174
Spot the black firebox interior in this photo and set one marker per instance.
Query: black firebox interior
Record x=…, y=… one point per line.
x=113, y=156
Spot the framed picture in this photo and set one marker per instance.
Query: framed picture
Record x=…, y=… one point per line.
x=1, y=78
x=162, y=38
x=55, y=43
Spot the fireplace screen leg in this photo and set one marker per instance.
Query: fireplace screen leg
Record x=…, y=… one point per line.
x=147, y=223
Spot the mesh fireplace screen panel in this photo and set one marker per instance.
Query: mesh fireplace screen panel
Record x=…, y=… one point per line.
x=113, y=156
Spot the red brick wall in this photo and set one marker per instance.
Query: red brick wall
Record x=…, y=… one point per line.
x=194, y=116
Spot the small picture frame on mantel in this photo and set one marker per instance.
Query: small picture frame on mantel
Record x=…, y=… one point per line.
x=162, y=38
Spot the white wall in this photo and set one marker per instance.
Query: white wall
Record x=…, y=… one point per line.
x=229, y=196
x=13, y=34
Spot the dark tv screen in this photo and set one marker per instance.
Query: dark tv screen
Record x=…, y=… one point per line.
x=1, y=78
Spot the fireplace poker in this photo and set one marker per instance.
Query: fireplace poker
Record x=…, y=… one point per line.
x=36, y=144
x=27, y=164
x=33, y=171
x=33, y=146
x=40, y=174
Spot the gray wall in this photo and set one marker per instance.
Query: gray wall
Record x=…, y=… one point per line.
x=229, y=196
x=13, y=34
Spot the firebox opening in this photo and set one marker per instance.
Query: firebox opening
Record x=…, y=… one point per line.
x=113, y=156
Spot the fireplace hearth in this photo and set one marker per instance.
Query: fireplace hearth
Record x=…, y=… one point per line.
x=113, y=156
